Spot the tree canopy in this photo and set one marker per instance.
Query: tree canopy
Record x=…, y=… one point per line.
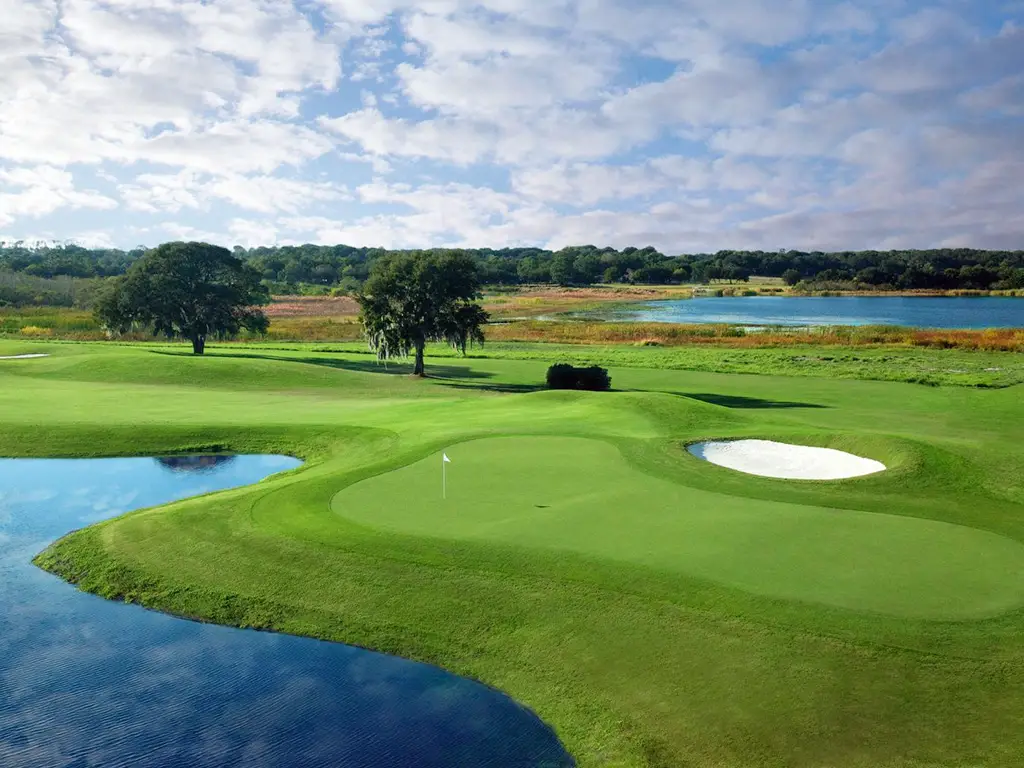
x=186, y=290
x=411, y=298
x=344, y=268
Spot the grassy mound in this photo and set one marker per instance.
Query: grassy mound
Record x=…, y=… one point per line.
x=655, y=609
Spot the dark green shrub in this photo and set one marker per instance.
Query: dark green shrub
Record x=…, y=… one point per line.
x=564, y=376
x=595, y=379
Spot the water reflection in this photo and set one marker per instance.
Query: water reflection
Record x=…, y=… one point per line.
x=194, y=463
x=88, y=682
x=916, y=311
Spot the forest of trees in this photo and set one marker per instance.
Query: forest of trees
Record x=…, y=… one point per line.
x=286, y=269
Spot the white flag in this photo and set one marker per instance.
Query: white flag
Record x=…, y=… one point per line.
x=446, y=459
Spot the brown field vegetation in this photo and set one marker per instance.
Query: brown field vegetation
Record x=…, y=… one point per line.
x=299, y=328
x=312, y=306
x=666, y=334
x=325, y=319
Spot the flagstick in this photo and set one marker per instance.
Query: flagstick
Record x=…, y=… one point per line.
x=444, y=475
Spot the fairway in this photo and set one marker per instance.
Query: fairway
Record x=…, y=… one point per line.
x=580, y=495
x=655, y=609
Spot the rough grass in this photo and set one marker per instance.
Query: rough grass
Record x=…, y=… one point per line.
x=636, y=659
x=669, y=334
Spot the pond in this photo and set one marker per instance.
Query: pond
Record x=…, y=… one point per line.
x=88, y=682
x=914, y=311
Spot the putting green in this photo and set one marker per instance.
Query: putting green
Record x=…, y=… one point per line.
x=580, y=495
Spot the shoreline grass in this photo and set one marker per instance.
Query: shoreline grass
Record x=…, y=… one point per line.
x=77, y=325
x=678, y=334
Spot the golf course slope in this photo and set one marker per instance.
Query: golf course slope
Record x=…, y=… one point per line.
x=654, y=608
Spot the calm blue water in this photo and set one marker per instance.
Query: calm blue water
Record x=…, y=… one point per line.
x=918, y=312
x=87, y=682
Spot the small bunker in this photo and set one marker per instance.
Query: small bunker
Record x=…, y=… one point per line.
x=768, y=458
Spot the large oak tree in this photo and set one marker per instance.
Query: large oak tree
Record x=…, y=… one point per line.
x=186, y=290
x=412, y=298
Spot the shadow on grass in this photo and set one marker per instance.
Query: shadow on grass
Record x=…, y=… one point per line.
x=434, y=371
x=507, y=388
x=733, y=401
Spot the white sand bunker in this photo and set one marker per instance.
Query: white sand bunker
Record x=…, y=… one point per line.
x=793, y=462
x=21, y=357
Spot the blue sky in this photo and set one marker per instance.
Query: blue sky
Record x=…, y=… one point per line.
x=690, y=125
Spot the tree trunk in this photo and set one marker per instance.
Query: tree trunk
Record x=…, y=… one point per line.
x=418, y=368
x=198, y=344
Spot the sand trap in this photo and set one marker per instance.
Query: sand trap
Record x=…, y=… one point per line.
x=21, y=357
x=793, y=462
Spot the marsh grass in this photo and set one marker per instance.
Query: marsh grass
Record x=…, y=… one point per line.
x=666, y=334
x=300, y=320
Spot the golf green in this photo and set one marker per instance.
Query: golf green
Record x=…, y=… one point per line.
x=580, y=495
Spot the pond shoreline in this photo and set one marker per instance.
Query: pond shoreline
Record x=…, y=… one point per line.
x=147, y=633
x=917, y=312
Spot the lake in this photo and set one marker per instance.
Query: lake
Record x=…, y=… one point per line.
x=89, y=682
x=915, y=311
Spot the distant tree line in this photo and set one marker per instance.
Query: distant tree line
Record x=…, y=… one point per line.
x=18, y=289
x=344, y=268
x=41, y=260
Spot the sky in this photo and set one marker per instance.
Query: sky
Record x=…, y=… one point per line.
x=689, y=125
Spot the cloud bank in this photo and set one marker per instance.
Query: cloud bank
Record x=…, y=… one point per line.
x=690, y=125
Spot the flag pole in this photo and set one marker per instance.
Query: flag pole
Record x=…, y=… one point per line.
x=444, y=475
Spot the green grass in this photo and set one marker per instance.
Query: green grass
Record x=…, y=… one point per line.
x=656, y=610
x=933, y=367
x=577, y=495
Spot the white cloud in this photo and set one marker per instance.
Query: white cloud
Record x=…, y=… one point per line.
x=238, y=146
x=439, y=139
x=1006, y=96
x=682, y=123
x=738, y=92
x=244, y=232
x=97, y=82
x=154, y=192
x=172, y=193
x=251, y=234
x=270, y=194
x=586, y=184
x=41, y=190
x=500, y=86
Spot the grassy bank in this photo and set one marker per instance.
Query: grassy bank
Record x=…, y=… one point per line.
x=657, y=611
